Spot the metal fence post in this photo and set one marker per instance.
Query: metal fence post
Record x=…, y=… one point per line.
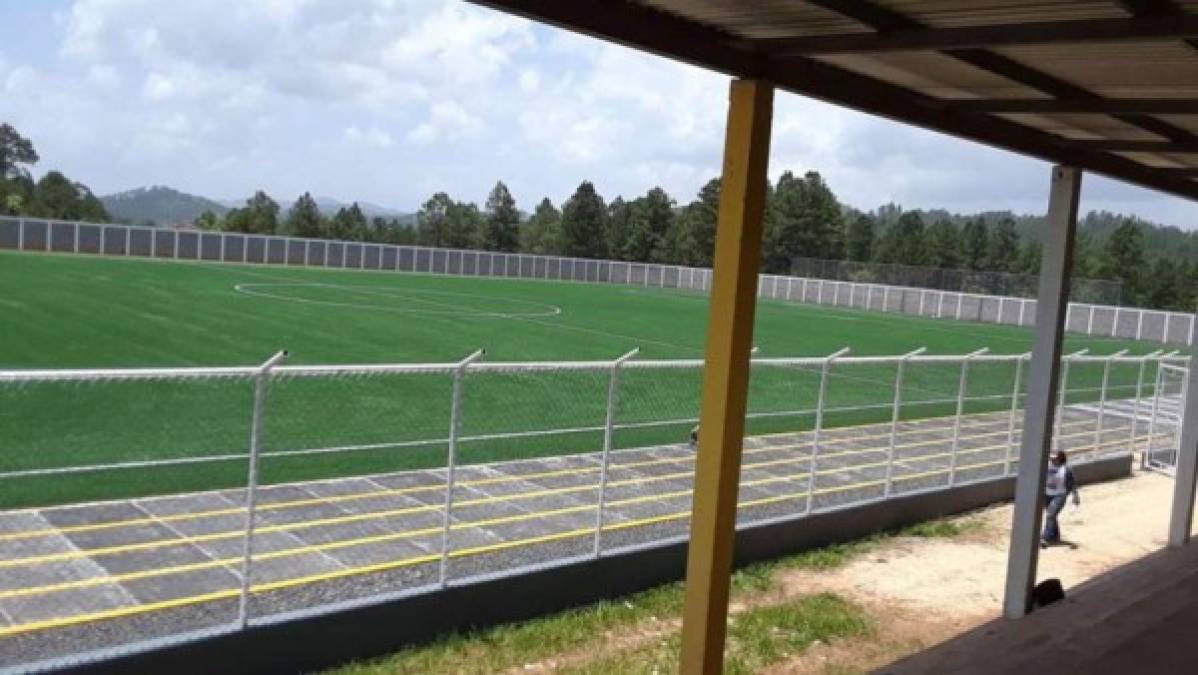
x=251, y=489
x=1106, y=378
x=1014, y=411
x=1156, y=405
x=1063, y=398
x=128, y=240
x=609, y=423
x=962, y=391
x=75, y=239
x=1135, y=411
x=20, y=234
x=819, y=423
x=455, y=425
x=894, y=417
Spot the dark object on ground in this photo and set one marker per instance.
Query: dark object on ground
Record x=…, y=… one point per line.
x=1047, y=592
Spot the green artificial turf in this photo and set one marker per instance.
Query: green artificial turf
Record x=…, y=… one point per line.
x=64, y=311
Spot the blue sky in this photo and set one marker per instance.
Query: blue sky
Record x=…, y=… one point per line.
x=390, y=100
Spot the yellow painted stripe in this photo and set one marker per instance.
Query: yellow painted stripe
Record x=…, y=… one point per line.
x=332, y=499
x=180, y=569
x=408, y=562
x=340, y=520
x=360, y=541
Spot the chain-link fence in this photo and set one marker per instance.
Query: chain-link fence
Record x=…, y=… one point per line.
x=150, y=504
x=975, y=282
x=27, y=234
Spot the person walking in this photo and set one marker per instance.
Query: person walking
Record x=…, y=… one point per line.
x=1057, y=488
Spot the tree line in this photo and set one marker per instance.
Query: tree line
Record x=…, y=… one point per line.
x=51, y=196
x=803, y=219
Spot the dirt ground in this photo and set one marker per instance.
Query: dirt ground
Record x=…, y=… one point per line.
x=923, y=591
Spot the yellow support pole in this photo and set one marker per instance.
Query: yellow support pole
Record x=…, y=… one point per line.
x=726, y=375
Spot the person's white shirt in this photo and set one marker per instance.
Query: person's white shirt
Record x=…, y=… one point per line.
x=1057, y=480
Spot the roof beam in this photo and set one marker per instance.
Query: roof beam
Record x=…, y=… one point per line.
x=846, y=88
x=655, y=32
x=1163, y=8
x=1047, y=32
x=1137, y=146
x=886, y=20
x=1100, y=106
x=1179, y=171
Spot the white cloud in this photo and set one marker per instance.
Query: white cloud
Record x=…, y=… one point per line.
x=20, y=81
x=371, y=136
x=447, y=120
x=414, y=96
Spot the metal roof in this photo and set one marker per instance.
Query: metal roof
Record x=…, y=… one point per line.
x=1109, y=86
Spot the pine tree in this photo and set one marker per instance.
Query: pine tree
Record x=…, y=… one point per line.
x=349, y=224
x=1164, y=285
x=1002, y=251
x=975, y=240
x=584, y=221
x=304, y=219
x=259, y=216
x=859, y=239
x=904, y=243
x=944, y=245
x=501, y=232
x=542, y=232
x=1029, y=258
x=430, y=220
x=648, y=224
x=619, y=225
x=1123, y=260
x=696, y=227
x=463, y=226
x=805, y=221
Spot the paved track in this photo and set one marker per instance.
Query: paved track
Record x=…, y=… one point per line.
x=101, y=575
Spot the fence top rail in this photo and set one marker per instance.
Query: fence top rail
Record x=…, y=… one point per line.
x=284, y=371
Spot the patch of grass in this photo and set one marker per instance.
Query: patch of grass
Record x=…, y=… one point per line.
x=509, y=646
x=942, y=528
x=757, y=638
x=834, y=555
x=765, y=635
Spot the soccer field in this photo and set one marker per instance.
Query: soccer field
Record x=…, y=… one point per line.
x=93, y=312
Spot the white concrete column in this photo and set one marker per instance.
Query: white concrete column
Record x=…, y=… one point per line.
x=1182, y=515
x=1040, y=406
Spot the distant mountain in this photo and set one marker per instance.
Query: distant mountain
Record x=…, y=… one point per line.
x=328, y=206
x=158, y=204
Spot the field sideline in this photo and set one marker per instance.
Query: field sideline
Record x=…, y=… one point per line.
x=79, y=312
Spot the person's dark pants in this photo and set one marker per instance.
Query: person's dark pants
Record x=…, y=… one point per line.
x=1052, y=530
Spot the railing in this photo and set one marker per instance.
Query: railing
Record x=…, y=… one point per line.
x=30, y=234
x=160, y=504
